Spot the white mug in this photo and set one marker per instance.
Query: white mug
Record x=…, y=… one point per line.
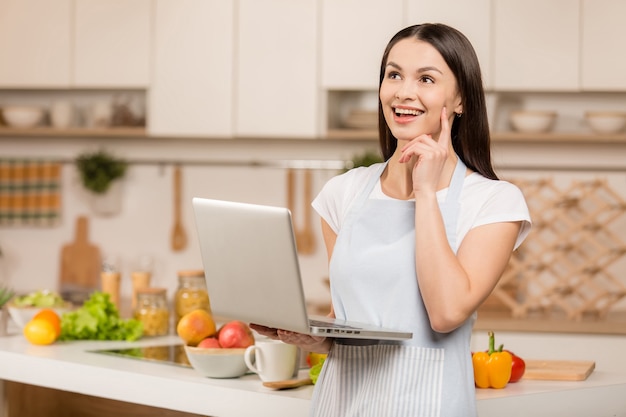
x=272, y=360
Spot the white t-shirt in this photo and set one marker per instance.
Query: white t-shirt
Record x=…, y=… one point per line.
x=483, y=201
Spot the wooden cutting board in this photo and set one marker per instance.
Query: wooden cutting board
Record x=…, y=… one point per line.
x=80, y=260
x=554, y=370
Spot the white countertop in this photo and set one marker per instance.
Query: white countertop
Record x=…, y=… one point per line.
x=69, y=366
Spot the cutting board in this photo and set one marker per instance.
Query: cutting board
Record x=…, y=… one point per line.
x=555, y=370
x=80, y=260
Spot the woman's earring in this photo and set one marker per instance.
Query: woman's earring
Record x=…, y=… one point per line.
x=459, y=114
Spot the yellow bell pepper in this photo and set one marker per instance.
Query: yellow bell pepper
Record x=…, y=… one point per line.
x=492, y=369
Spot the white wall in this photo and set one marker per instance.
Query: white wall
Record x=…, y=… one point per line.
x=31, y=255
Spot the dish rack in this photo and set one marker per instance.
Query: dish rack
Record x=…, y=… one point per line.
x=564, y=266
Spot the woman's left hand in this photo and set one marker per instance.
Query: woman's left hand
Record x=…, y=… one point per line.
x=431, y=156
x=304, y=341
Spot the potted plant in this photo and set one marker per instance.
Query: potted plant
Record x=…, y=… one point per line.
x=6, y=293
x=100, y=174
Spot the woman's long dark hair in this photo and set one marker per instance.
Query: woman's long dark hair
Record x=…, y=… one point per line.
x=470, y=133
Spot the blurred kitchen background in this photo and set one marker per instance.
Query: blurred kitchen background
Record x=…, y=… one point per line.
x=254, y=99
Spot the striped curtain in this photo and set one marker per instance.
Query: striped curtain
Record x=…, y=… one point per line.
x=30, y=192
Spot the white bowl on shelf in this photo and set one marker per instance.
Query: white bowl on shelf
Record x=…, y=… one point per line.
x=23, y=116
x=605, y=121
x=532, y=121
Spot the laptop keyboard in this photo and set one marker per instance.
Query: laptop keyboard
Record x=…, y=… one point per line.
x=319, y=323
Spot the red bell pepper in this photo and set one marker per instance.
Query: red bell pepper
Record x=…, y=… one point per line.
x=518, y=367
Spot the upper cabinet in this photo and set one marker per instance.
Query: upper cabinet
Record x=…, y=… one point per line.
x=35, y=43
x=536, y=45
x=112, y=41
x=276, y=92
x=75, y=43
x=193, y=83
x=471, y=17
x=354, y=36
x=603, y=34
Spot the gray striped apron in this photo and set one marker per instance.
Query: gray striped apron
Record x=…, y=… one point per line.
x=373, y=280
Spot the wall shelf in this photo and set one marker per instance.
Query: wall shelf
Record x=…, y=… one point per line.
x=332, y=134
x=51, y=132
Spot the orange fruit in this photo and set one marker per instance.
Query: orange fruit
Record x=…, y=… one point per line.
x=52, y=317
x=40, y=332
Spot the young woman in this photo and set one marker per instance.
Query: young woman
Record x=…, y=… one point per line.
x=418, y=242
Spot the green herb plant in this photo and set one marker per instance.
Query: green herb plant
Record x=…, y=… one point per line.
x=6, y=294
x=99, y=319
x=364, y=159
x=99, y=169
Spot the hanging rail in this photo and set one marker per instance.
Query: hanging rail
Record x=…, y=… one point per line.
x=319, y=164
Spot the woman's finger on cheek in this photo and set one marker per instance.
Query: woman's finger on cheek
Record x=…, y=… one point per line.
x=446, y=130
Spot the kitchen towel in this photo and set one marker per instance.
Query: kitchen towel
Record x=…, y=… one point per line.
x=30, y=192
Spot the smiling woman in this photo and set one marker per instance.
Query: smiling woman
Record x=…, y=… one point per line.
x=416, y=242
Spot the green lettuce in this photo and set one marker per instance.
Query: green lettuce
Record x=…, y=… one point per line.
x=99, y=319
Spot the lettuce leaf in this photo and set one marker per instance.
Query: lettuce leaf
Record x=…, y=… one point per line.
x=99, y=319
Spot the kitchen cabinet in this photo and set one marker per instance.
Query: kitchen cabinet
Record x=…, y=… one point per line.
x=471, y=17
x=276, y=94
x=193, y=83
x=75, y=43
x=536, y=45
x=603, y=68
x=35, y=43
x=112, y=43
x=354, y=36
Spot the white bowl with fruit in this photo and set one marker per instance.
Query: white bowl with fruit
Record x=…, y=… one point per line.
x=213, y=352
x=22, y=308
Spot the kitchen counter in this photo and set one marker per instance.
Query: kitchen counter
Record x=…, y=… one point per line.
x=68, y=366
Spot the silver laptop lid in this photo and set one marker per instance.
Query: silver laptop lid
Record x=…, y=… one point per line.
x=251, y=265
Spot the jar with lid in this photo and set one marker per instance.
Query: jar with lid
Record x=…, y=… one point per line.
x=152, y=311
x=191, y=293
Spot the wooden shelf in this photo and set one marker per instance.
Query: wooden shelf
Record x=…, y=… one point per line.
x=352, y=134
x=134, y=132
x=555, y=137
x=332, y=134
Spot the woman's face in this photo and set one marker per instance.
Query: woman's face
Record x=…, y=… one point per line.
x=416, y=86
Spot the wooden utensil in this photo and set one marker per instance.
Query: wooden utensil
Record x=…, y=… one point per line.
x=555, y=370
x=305, y=238
x=287, y=384
x=179, y=236
x=307, y=235
x=80, y=261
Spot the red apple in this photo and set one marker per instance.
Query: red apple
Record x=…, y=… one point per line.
x=209, y=342
x=235, y=334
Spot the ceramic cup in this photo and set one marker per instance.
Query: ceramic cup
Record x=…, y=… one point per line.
x=272, y=360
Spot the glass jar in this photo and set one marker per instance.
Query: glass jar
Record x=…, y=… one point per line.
x=152, y=311
x=191, y=293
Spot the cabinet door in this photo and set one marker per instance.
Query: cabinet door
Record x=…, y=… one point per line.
x=277, y=89
x=471, y=17
x=112, y=43
x=603, y=62
x=536, y=45
x=35, y=43
x=354, y=36
x=192, y=88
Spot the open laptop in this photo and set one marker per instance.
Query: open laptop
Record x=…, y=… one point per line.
x=253, y=273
